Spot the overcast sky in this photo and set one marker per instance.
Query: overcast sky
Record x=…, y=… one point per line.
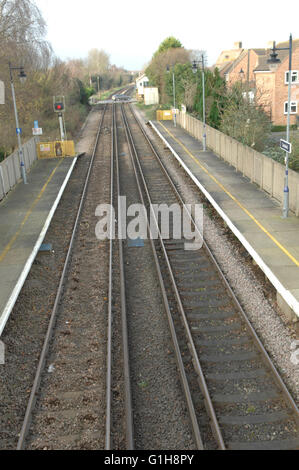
x=131, y=31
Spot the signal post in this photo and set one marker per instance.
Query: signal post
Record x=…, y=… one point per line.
x=59, y=107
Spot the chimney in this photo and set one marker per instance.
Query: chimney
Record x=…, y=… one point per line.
x=238, y=45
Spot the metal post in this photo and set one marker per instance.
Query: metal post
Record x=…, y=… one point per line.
x=204, y=106
x=174, y=103
x=285, y=211
x=61, y=127
x=22, y=165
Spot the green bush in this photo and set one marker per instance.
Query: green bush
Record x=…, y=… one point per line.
x=85, y=92
x=277, y=154
x=293, y=127
x=3, y=153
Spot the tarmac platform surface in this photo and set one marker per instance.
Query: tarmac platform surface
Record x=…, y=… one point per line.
x=254, y=217
x=25, y=215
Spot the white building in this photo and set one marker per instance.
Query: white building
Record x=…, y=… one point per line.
x=151, y=95
x=141, y=84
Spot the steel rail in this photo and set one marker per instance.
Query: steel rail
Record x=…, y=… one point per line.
x=280, y=383
x=129, y=426
x=108, y=440
x=126, y=358
x=179, y=360
x=37, y=380
x=265, y=356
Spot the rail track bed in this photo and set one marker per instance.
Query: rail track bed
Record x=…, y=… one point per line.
x=229, y=373
x=81, y=396
x=66, y=409
x=147, y=345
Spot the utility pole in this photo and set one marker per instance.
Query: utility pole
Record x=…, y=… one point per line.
x=22, y=76
x=173, y=90
x=273, y=63
x=204, y=104
x=174, y=103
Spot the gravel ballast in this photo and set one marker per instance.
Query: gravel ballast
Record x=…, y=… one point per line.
x=253, y=291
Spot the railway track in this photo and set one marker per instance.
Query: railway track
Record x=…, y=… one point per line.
x=236, y=398
x=81, y=396
x=69, y=406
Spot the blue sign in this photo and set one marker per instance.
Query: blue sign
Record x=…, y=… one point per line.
x=19, y=130
x=35, y=125
x=285, y=145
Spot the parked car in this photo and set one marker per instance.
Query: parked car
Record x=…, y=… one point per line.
x=121, y=98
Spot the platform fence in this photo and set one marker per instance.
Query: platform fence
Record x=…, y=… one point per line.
x=260, y=169
x=10, y=172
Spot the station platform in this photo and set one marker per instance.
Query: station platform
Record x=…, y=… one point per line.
x=25, y=215
x=254, y=217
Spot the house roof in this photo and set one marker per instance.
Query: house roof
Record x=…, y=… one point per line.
x=141, y=77
x=263, y=66
x=259, y=51
x=263, y=56
x=229, y=66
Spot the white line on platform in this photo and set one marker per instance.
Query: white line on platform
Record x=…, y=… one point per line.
x=15, y=293
x=285, y=294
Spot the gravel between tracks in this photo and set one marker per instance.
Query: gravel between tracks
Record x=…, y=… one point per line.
x=24, y=333
x=255, y=294
x=26, y=328
x=161, y=420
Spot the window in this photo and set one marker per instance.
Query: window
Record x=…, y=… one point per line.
x=293, y=107
x=248, y=95
x=294, y=75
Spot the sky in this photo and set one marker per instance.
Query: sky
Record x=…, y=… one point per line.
x=131, y=31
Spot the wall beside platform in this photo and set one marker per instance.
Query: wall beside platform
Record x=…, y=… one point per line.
x=260, y=169
x=10, y=172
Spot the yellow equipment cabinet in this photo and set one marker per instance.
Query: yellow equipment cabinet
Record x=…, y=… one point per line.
x=163, y=115
x=56, y=149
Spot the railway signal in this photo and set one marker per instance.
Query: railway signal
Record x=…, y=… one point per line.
x=59, y=104
x=59, y=107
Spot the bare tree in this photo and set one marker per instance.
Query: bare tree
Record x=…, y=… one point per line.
x=22, y=34
x=244, y=118
x=97, y=61
x=157, y=69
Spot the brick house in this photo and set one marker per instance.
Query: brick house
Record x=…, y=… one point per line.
x=270, y=88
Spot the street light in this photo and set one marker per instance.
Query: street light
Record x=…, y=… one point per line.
x=273, y=63
x=194, y=70
x=22, y=77
x=173, y=90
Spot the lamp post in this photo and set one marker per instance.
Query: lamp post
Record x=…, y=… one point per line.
x=22, y=77
x=194, y=70
x=242, y=74
x=273, y=63
x=173, y=90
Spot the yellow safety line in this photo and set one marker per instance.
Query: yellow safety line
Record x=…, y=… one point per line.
x=286, y=252
x=28, y=213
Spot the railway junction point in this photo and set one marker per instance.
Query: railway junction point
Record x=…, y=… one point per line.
x=26, y=213
x=254, y=217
